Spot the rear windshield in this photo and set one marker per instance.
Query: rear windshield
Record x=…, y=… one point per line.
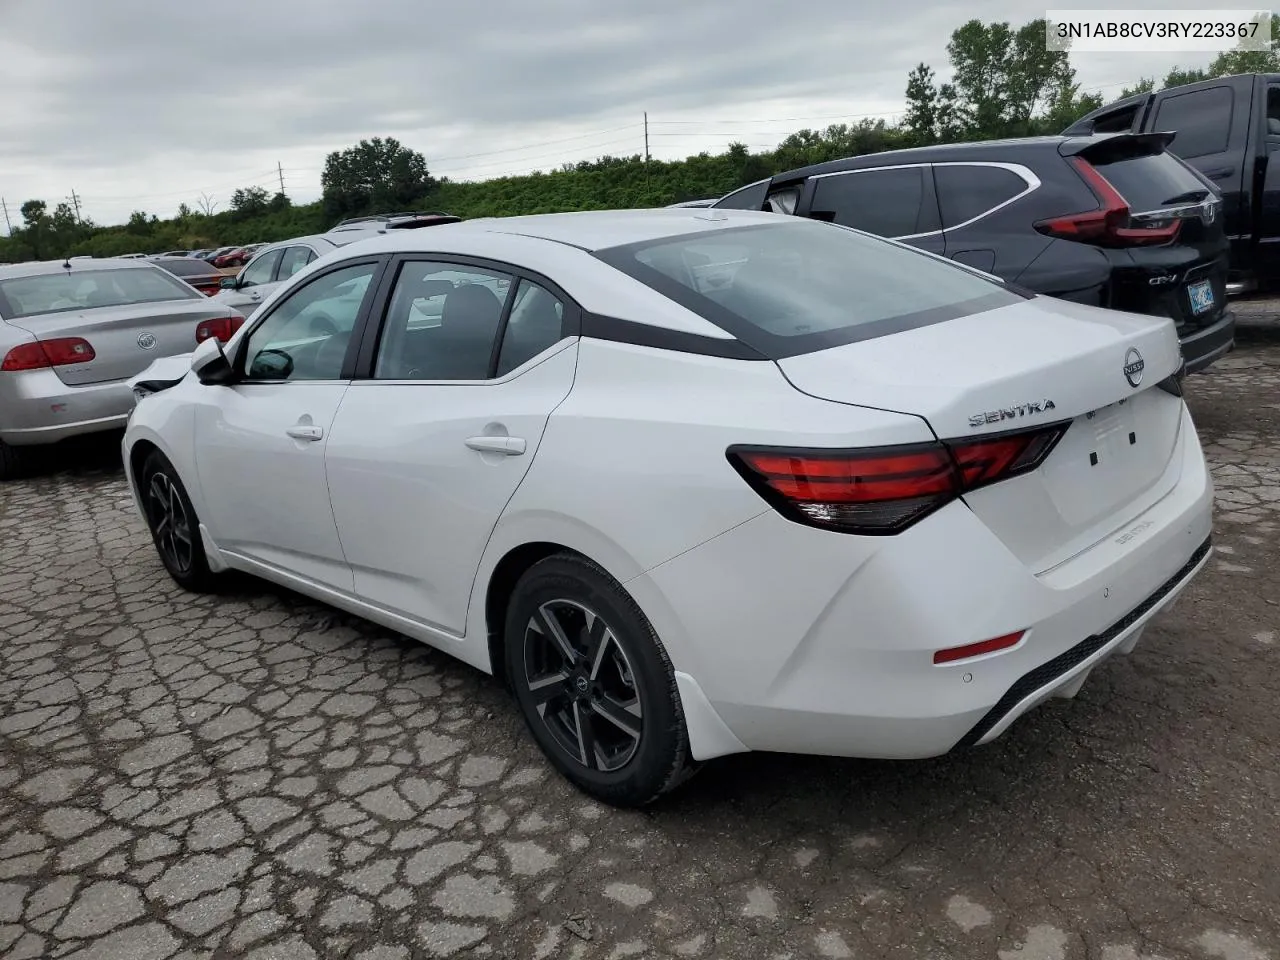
x=86, y=289
x=187, y=268
x=1154, y=181
x=798, y=286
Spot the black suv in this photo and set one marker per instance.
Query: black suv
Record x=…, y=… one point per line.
x=1110, y=220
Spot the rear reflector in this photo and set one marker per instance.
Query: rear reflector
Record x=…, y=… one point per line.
x=60, y=352
x=952, y=654
x=220, y=328
x=885, y=490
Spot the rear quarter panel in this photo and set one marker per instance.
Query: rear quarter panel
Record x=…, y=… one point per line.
x=632, y=468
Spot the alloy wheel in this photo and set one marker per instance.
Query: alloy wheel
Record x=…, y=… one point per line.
x=583, y=686
x=169, y=522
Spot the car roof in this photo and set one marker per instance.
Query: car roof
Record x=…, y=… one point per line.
x=937, y=152
x=39, y=268
x=587, y=230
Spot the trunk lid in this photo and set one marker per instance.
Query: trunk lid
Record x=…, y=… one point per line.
x=125, y=339
x=1023, y=366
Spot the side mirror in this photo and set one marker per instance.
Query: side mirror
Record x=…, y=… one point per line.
x=229, y=283
x=210, y=364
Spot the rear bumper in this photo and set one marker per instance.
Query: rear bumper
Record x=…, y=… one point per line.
x=1203, y=347
x=804, y=641
x=38, y=408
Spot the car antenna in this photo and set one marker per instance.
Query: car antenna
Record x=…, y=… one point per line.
x=66, y=264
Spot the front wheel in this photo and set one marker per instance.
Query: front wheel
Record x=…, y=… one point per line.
x=594, y=683
x=175, y=530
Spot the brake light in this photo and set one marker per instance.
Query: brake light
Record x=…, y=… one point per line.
x=885, y=490
x=1112, y=225
x=60, y=352
x=219, y=328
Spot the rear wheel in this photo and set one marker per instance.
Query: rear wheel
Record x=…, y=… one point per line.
x=594, y=683
x=175, y=529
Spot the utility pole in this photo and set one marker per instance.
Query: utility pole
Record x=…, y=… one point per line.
x=280, y=170
x=646, y=136
x=8, y=225
x=75, y=202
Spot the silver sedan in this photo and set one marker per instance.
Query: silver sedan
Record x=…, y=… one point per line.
x=71, y=334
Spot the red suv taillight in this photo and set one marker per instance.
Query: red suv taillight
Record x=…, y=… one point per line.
x=60, y=352
x=887, y=489
x=220, y=328
x=1113, y=224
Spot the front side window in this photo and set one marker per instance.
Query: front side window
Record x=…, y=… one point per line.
x=86, y=289
x=442, y=322
x=1201, y=119
x=888, y=203
x=798, y=286
x=261, y=270
x=306, y=336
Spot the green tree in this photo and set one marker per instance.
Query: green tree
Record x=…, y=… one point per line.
x=1004, y=78
x=250, y=202
x=375, y=175
x=33, y=213
x=922, y=117
x=1251, y=61
x=1145, y=85
x=1178, y=76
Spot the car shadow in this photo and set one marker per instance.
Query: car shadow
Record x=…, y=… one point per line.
x=80, y=457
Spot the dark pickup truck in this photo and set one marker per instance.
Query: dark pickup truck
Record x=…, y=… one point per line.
x=1228, y=129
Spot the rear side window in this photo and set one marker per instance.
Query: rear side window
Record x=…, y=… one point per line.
x=889, y=203
x=1154, y=181
x=750, y=197
x=966, y=191
x=87, y=289
x=1202, y=120
x=797, y=286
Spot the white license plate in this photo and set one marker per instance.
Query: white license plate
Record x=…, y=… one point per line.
x=1201, y=296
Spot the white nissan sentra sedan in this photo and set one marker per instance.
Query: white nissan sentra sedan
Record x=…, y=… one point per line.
x=693, y=482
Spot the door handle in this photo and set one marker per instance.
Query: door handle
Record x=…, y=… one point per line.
x=511, y=446
x=304, y=432
x=1220, y=174
x=254, y=295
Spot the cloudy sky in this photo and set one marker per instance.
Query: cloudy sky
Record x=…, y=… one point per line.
x=145, y=104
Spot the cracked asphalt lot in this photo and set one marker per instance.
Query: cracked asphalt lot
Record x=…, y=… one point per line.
x=256, y=775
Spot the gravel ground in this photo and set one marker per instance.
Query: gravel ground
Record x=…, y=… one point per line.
x=258, y=776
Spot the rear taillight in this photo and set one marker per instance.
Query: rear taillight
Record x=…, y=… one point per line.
x=219, y=328
x=887, y=489
x=1112, y=225
x=60, y=352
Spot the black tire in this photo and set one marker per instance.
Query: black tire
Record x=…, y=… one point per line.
x=11, y=461
x=644, y=751
x=170, y=516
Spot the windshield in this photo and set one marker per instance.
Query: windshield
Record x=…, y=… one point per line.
x=87, y=289
x=798, y=286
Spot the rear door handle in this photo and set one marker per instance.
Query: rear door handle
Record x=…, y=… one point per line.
x=511, y=446
x=302, y=432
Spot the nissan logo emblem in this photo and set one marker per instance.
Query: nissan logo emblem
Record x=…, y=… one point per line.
x=1133, y=366
x=147, y=341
